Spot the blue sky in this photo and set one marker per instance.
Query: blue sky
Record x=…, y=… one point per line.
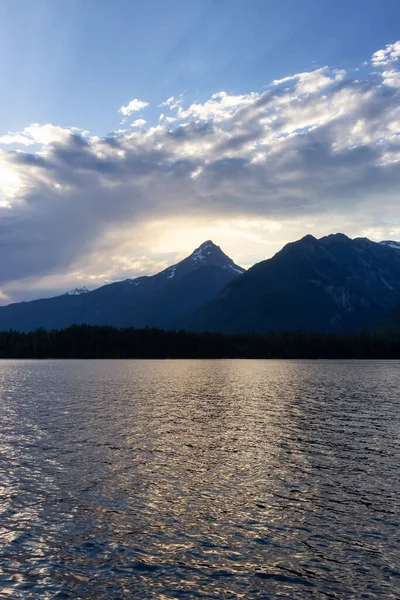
x=283, y=119
x=73, y=63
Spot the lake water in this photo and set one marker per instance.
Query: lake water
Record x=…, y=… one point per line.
x=199, y=479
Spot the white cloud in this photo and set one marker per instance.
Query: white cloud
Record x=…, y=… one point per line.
x=133, y=106
x=16, y=138
x=312, y=81
x=172, y=102
x=139, y=123
x=39, y=134
x=391, y=78
x=285, y=79
x=387, y=55
x=387, y=59
x=10, y=181
x=220, y=107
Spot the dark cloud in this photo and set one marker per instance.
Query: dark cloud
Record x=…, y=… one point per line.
x=191, y=131
x=28, y=160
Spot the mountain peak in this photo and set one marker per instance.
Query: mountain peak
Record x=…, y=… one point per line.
x=209, y=253
x=206, y=248
x=331, y=284
x=335, y=237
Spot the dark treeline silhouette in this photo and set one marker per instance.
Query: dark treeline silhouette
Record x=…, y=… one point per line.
x=85, y=341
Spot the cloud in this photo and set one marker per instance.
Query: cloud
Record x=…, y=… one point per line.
x=313, y=81
x=16, y=138
x=39, y=134
x=317, y=151
x=220, y=107
x=139, y=123
x=389, y=54
x=133, y=106
x=172, y=102
x=391, y=78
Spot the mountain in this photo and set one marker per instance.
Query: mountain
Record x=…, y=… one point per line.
x=333, y=284
x=391, y=244
x=146, y=301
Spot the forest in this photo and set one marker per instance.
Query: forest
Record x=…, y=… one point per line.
x=84, y=342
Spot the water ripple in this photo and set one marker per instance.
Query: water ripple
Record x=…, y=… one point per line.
x=199, y=479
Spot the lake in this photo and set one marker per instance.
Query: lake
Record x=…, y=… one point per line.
x=199, y=479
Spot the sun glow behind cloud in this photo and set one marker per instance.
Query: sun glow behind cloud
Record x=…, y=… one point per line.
x=316, y=151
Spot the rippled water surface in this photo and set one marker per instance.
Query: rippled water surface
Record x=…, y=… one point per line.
x=199, y=479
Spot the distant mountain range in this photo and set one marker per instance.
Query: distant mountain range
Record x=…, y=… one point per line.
x=153, y=301
x=332, y=285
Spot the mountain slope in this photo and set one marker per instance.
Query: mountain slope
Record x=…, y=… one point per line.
x=146, y=301
x=391, y=244
x=333, y=284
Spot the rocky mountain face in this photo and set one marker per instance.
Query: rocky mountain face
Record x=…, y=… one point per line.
x=332, y=284
x=145, y=301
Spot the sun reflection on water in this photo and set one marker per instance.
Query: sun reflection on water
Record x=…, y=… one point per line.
x=213, y=479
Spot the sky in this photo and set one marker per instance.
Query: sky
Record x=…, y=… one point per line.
x=131, y=131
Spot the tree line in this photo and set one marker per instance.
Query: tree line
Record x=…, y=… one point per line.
x=84, y=341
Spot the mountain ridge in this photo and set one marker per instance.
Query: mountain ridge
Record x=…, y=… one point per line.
x=151, y=300
x=332, y=284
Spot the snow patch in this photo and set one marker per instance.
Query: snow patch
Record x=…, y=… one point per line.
x=198, y=255
x=237, y=269
x=391, y=244
x=77, y=292
x=171, y=273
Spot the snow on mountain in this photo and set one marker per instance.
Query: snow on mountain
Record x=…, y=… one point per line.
x=203, y=252
x=77, y=291
x=171, y=272
x=207, y=254
x=391, y=244
x=133, y=281
x=235, y=268
x=211, y=254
